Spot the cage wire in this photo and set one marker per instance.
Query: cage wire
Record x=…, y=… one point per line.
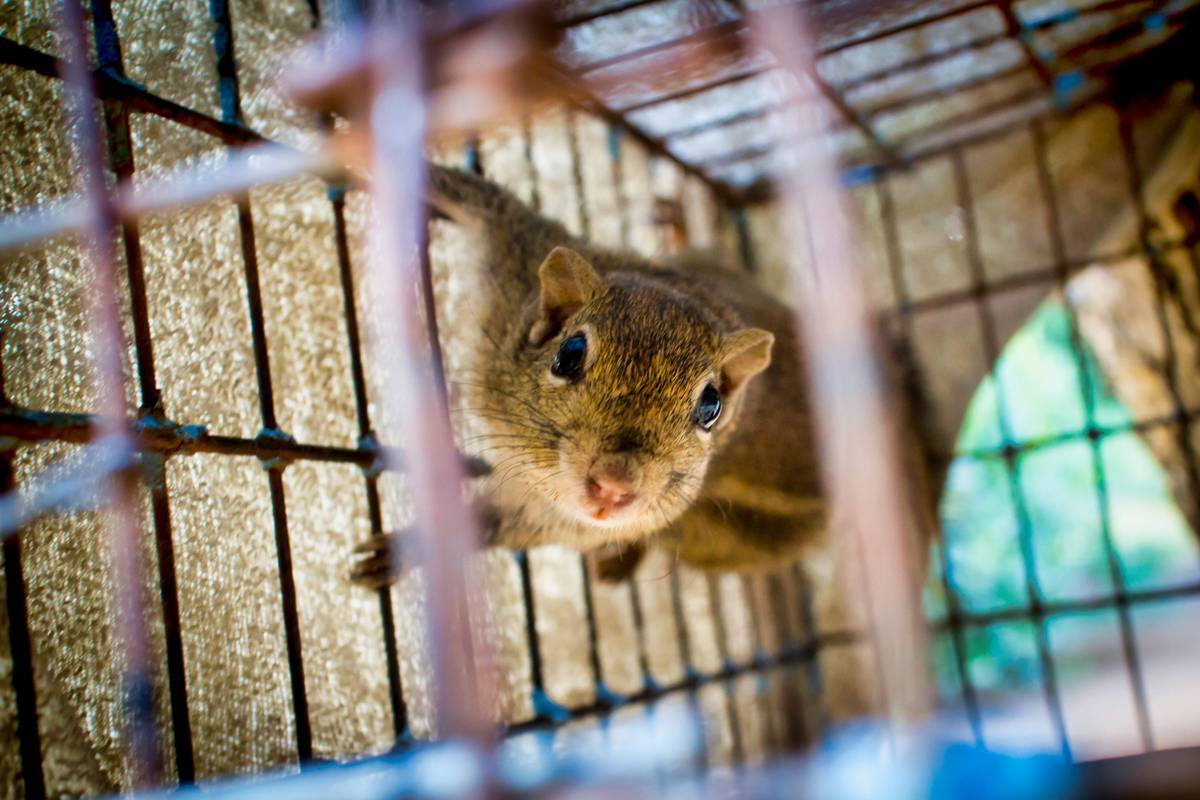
x=994, y=154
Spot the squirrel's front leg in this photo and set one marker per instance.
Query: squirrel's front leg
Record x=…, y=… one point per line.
x=382, y=560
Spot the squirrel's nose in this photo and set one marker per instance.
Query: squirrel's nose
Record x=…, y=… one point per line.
x=610, y=490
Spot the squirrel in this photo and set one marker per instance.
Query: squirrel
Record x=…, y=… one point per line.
x=631, y=404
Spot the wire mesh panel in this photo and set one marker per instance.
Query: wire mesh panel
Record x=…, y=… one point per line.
x=976, y=241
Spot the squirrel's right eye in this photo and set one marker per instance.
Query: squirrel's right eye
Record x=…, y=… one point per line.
x=568, y=361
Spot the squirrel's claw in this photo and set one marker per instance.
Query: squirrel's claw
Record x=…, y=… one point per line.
x=377, y=565
x=378, y=568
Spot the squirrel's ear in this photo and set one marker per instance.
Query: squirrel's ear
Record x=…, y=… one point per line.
x=568, y=282
x=744, y=354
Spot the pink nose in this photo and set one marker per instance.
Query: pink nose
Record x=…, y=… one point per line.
x=610, y=492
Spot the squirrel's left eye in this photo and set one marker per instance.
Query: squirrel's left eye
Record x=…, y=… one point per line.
x=568, y=361
x=708, y=408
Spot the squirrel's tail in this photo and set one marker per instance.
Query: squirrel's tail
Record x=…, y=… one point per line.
x=470, y=199
x=466, y=198
x=518, y=237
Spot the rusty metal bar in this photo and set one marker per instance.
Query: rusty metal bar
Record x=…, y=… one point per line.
x=1016, y=31
x=158, y=435
x=231, y=112
x=752, y=153
x=890, y=72
x=913, y=24
x=1046, y=275
x=855, y=432
x=111, y=86
x=800, y=656
x=720, y=30
x=975, y=115
x=244, y=169
x=20, y=646
x=367, y=442
x=584, y=98
x=858, y=119
x=120, y=155
x=691, y=91
x=940, y=92
x=123, y=529
x=730, y=119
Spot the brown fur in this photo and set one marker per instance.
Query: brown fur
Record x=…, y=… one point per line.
x=744, y=497
x=747, y=496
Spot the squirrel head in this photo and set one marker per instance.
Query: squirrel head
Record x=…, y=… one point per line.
x=620, y=391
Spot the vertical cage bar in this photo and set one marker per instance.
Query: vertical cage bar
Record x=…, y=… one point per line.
x=291, y=616
x=692, y=677
x=856, y=433
x=447, y=531
x=337, y=201
x=123, y=529
x=618, y=178
x=1034, y=594
x=437, y=365
x=808, y=648
x=181, y=726
x=896, y=267
x=745, y=240
x=1137, y=681
x=231, y=112
x=543, y=707
x=20, y=646
x=727, y=666
x=120, y=156
x=345, y=14
x=811, y=647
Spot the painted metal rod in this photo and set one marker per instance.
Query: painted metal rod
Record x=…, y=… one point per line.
x=856, y=432
x=462, y=702
x=244, y=169
x=122, y=526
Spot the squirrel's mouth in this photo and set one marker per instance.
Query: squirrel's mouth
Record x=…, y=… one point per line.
x=601, y=513
x=606, y=499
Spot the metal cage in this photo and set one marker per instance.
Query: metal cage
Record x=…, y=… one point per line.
x=787, y=645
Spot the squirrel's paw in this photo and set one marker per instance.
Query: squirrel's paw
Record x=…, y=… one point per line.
x=375, y=566
x=614, y=565
x=381, y=560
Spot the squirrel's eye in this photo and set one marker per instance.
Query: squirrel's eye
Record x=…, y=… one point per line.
x=708, y=408
x=568, y=361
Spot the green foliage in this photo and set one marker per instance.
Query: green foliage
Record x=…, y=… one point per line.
x=1054, y=511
